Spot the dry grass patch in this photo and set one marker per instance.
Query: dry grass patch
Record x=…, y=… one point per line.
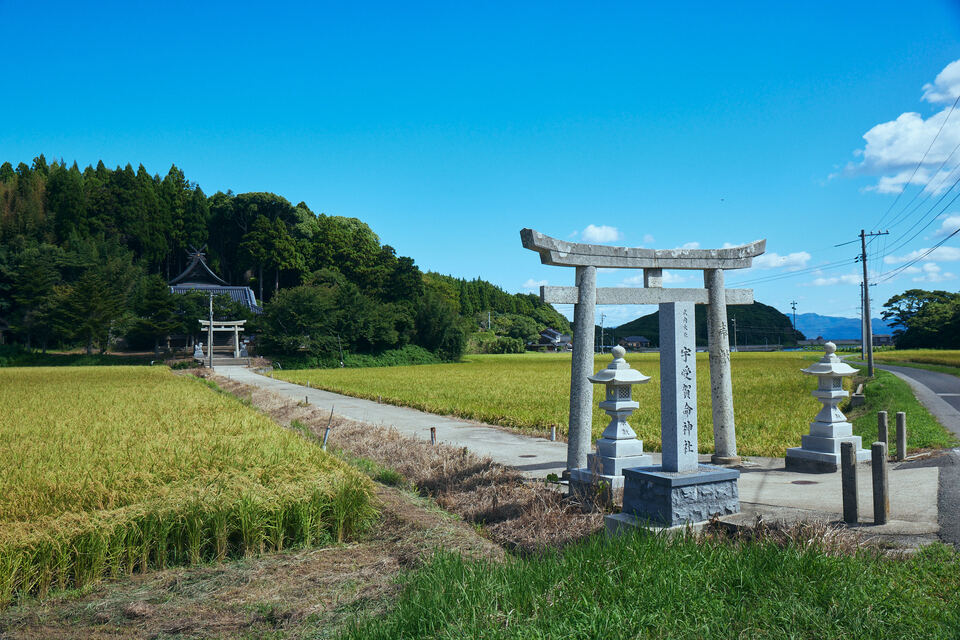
x=522, y=516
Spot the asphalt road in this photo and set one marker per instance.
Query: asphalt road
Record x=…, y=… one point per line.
x=940, y=394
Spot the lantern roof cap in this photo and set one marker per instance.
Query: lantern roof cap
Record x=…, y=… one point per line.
x=829, y=364
x=618, y=371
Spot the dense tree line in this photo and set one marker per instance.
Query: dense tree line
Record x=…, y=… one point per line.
x=924, y=319
x=85, y=256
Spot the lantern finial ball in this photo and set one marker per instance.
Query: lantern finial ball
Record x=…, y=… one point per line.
x=618, y=352
x=829, y=348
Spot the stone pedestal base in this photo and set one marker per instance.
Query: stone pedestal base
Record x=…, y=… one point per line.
x=669, y=499
x=603, y=479
x=806, y=459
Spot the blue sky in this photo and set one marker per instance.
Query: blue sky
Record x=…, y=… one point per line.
x=448, y=127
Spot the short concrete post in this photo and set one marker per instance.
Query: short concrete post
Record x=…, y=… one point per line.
x=882, y=431
x=848, y=480
x=553, y=433
x=901, y=435
x=433, y=435
x=881, y=494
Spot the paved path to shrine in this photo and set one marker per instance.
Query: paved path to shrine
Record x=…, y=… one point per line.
x=535, y=457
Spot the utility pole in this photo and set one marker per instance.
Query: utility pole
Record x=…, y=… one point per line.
x=863, y=326
x=602, y=317
x=210, y=333
x=868, y=333
x=489, y=328
x=734, y=321
x=793, y=305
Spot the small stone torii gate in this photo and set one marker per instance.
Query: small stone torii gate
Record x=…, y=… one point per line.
x=587, y=258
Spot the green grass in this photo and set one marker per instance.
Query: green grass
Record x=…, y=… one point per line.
x=17, y=356
x=647, y=586
x=888, y=393
x=943, y=357
x=530, y=393
x=110, y=471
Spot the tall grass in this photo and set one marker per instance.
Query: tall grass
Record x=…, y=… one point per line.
x=648, y=586
x=107, y=472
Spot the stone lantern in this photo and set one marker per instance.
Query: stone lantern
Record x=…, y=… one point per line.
x=618, y=447
x=820, y=450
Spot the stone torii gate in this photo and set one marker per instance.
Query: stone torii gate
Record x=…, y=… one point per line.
x=586, y=259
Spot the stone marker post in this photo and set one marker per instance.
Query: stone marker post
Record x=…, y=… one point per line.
x=678, y=387
x=721, y=387
x=679, y=491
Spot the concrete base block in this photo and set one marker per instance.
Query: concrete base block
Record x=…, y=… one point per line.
x=669, y=499
x=618, y=524
x=806, y=461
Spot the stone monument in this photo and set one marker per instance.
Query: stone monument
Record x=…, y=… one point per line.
x=820, y=450
x=618, y=446
x=586, y=259
x=679, y=491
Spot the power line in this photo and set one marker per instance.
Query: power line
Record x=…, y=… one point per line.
x=919, y=164
x=923, y=255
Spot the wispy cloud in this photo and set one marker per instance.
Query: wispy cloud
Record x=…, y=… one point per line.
x=930, y=272
x=600, y=233
x=648, y=239
x=534, y=284
x=951, y=223
x=791, y=261
x=941, y=254
x=849, y=278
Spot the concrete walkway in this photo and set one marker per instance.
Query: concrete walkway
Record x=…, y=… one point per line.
x=766, y=488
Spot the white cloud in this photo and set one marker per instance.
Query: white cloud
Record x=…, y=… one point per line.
x=534, y=284
x=894, y=149
x=931, y=272
x=946, y=86
x=791, y=261
x=669, y=277
x=648, y=239
x=850, y=278
x=942, y=254
x=601, y=233
x=950, y=224
x=690, y=245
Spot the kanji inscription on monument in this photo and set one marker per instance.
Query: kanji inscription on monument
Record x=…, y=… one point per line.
x=678, y=387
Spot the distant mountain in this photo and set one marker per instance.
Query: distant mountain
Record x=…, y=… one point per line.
x=757, y=323
x=814, y=325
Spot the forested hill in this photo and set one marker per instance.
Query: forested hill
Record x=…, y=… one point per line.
x=756, y=323
x=85, y=255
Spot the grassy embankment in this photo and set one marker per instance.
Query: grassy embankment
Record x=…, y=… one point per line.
x=652, y=587
x=529, y=392
x=940, y=360
x=110, y=471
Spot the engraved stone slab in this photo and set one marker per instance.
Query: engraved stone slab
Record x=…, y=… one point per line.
x=678, y=387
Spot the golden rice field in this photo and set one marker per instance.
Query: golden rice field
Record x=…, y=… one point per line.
x=111, y=470
x=530, y=392
x=942, y=357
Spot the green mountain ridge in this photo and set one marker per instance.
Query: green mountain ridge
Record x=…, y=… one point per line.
x=756, y=324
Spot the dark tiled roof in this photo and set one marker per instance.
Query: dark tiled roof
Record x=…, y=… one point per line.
x=243, y=295
x=636, y=339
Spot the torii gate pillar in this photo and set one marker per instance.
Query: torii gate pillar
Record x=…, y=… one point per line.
x=721, y=386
